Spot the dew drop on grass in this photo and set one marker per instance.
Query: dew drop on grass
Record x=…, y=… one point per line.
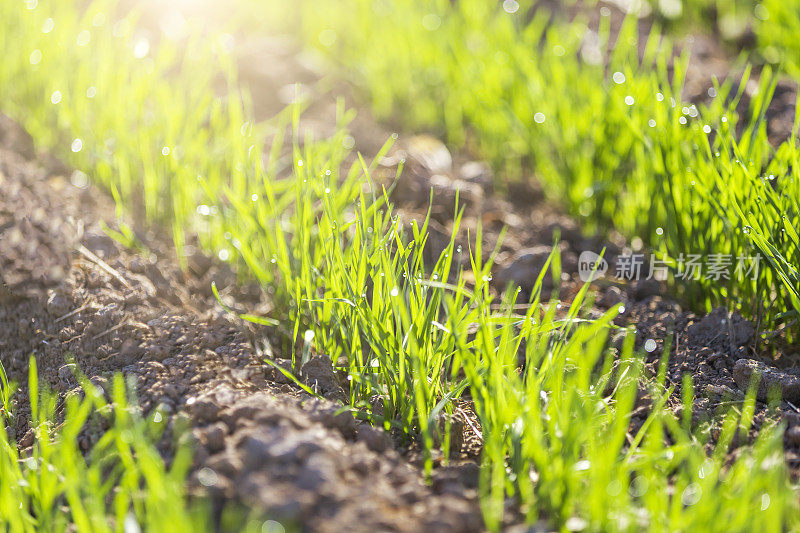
x=83, y=38
x=79, y=179
x=651, y=123
x=539, y=117
x=31, y=4
x=649, y=345
x=271, y=526
x=254, y=197
x=48, y=25
x=765, y=501
x=224, y=254
x=203, y=210
x=629, y=100
x=621, y=309
x=77, y=145
x=431, y=22
x=659, y=97
x=510, y=6
x=639, y=487
x=91, y=92
x=165, y=151
x=299, y=162
x=55, y=97
x=691, y=494
x=141, y=48
x=761, y=12
x=659, y=231
x=130, y=524
x=327, y=37
x=614, y=488
x=327, y=190
x=706, y=129
x=36, y=57
x=308, y=336
x=121, y=28
x=682, y=120
x=746, y=230
x=99, y=19
x=618, y=77
x=575, y=523
x=395, y=291
x=207, y=477
x=582, y=465
x=724, y=119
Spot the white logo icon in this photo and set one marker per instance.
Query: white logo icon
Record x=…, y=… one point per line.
x=591, y=266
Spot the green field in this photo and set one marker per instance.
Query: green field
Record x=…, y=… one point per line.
x=600, y=119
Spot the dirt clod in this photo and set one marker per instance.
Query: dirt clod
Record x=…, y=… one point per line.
x=318, y=374
x=768, y=378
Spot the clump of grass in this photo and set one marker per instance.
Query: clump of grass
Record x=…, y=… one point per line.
x=66, y=76
x=352, y=278
x=769, y=216
x=558, y=440
x=554, y=417
x=777, y=26
x=122, y=481
x=599, y=121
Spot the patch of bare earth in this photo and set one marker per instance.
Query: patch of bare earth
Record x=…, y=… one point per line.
x=76, y=298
